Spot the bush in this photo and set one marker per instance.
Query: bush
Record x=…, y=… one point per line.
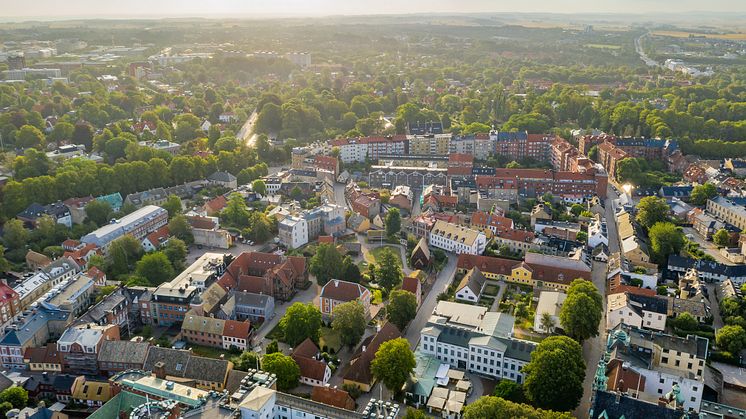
x=724, y=357
x=353, y=390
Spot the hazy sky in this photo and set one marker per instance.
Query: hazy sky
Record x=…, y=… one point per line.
x=242, y=8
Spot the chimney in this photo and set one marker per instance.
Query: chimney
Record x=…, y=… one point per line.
x=160, y=370
x=336, y=282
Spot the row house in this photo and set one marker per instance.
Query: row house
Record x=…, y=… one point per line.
x=115, y=356
x=457, y=239
x=414, y=177
x=253, y=307
x=31, y=330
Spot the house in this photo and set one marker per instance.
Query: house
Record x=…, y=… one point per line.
x=43, y=359
x=114, y=200
x=367, y=206
x=455, y=238
x=10, y=303
x=597, y=233
x=82, y=254
x=254, y=307
x=156, y=239
x=121, y=355
x=89, y=392
x=236, y=334
x=36, y=260
x=540, y=212
x=203, y=330
x=359, y=373
x=333, y=396
x=327, y=163
x=207, y=232
x=635, y=251
x=550, y=302
x=79, y=347
x=186, y=368
x=215, y=205
x=412, y=284
x=636, y=310
x=471, y=286
x=358, y=223
x=495, y=223
x=293, y=232
x=600, y=253
x=420, y=258
x=401, y=197
x=336, y=292
x=224, y=179
x=265, y=273
x=58, y=211
x=313, y=372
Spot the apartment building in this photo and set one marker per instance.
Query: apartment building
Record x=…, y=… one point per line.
x=138, y=224
x=727, y=211
x=293, y=232
x=636, y=310
x=522, y=145
x=265, y=273
x=31, y=330
x=79, y=346
x=42, y=281
x=572, y=186
x=471, y=338
x=430, y=145
x=458, y=239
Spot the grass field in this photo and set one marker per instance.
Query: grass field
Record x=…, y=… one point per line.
x=603, y=46
x=330, y=338
x=208, y=352
x=374, y=254
x=684, y=34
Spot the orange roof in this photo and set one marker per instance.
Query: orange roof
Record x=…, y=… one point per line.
x=333, y=397
x=95, y=273
x=7, y=293
x=487, y=264
x=326, y=239
x=518, y=235
x=159, y=236
x=460, y=158
x=217, y=203
x=306, y=349
x=236, y=329
x=410, y=284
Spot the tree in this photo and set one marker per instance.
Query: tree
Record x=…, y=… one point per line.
x=547, y=322
x=413, y=413
x=258, y=186
x=721, y=238
x=686, y=321
x=99, y=212
x=513, y=165
x=4, y=408
x=498, y=408
x=62, y=131
x=273, y=347
x=29, y=136
x=731, y=338
x=665, y=239
x=284, y=367
x=16, y=396
x=402, y=308
x=15, y=235
x=172, y=205
x=388, y=270
x=393, y=221
x=300, y=322
x=510, y=390
x=652, y=210
x=350, y=271
x=581, y=313
x=593, y=153
x=176, y=252
x=326, y=263
x=701, y=193
x=349, y=320
x=123, y=253
x=155, y=267
x=245, y=361
x=547, y=389
x=393, y=363
x=179, y=227
x=83, y=134
x=235, y=212
x=4, y=265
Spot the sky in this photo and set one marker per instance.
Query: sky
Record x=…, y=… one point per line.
x=55, y=9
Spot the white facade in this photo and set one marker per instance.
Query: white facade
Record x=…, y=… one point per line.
x=457, y=239
x=658, y=383
x=620, y=309
x=549, y=302
x=623, y=315
x=597, y=233
x=293, y=232
x=316, y=383
x=466, y=294
x=353, y=152
x=229, y=341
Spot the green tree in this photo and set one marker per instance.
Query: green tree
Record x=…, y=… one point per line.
x=172, y=205
x=543, y=386
x=16, y=396
x=272, y=347
x=393, y=221
x=665, y=239
x=652, y=210
x=326, y=263
x=686, y=321
x=99, y=212
x=498, y=408
x=349, y=320
x=300, y=322
x=15, y=235
x=721, y=238
x=581, y=313
x=155, y=267
x=259, y=187
x=4, y=264
x=731, y=338
x=413, y=413
x=701, y=193
x=284, y=367
x=123, y=253
x=513, y=165
x=29, y=137
x=62, y=131
x=593, y=153
x=393, y=363
x=246, y=361
x=402, y=308
x=547, y=323
x=179, y=227
x=235, y=212
x=510, y=390
x=350, y=271
x=388, y=269
x=176, y=252
x=4, y=408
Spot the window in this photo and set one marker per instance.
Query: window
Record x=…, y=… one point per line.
x=662, y=381
x=664, y=360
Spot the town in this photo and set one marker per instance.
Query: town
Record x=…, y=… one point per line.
x=195, y=225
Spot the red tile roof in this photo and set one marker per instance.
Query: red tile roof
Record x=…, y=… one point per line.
x=525, y=236
x=359, y=370
x=159, y=236
x=217, y=204
x=306, y=349
x=410, y=284
x=7, y=293
x=339, y=290
x=199, y=222
x=487, y=264
x=333, y=397
x=236, y=329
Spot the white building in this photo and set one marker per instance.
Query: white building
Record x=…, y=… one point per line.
x=597, y=233
x=293, y=232
x=636, y=310
x=352, y=151
x=549, y=302
x=457, y=239
x=138, y=223
x=471, y=338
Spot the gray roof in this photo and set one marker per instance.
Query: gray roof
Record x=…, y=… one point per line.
x=98, y=312
x=233, y=382
x=180, y=363
x=222, y=177
x=518, y=349
x=123, y=351
x=207, y=369
x=175, y=360
x=251, y=299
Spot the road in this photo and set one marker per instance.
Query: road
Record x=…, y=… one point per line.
x=428, y=304
x=246, y=132
x=644, y=57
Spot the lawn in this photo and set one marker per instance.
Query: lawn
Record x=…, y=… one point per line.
x=330, y=339
x=208, y=352
x=491, y=290
x=373, y=255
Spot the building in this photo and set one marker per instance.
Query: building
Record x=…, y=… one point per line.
x=471, y=338
x=237, y=334
x=522, y=145
x=43, y=359
x=412, y=284
x=471, y=286
x=420, y=258
x=597, y=233
x=265, y=273
x=156, y=239
x=10, y=304
x=360, y=149
x=430, y=145
x=223, y=179
x=31, y=330
x=207, y=232
x=636, y=310
x=116, y=356
x=387, y=176
x=550, y=302
x=532, y=183
x=366, y=206
x=186, y=368
x=496, y=223
x=727, y=211
x=333, y=397
x=43, y=280
x=336, y=292
x=328, y=163
x=89, y=392
x=36, y=260
x=401, y=197
x=79, y=346
x=58, y=211
x=707, y=270
x=293, y=232
x=122, y=308
x=74, y=294
x=359, y=373
x=253, y=307
x=457, y=239
x=139, y=224
x=162, y=145
x=313, y=371
x=203, y=330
